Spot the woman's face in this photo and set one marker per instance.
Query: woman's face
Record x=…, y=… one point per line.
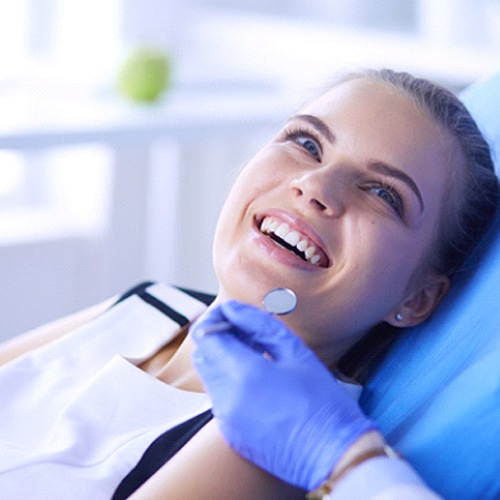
x=342, y=207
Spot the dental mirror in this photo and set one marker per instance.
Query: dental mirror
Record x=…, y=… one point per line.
x=277, y=301
x=280, y=301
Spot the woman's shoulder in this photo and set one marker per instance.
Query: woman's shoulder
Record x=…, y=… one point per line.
x=42, y=335
x=179, y=304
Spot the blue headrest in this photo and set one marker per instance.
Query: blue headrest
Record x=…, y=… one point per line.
x=436, y=396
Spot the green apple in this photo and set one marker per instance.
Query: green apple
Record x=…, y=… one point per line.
x=144, y=74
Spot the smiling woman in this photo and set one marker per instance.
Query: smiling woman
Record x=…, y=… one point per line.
x=358, y=205
x=358, y=179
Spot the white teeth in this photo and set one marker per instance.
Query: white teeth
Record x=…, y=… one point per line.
x=273, y=225
x=302, y=245
x=292, y=237
x=309, y=252
x=265, y=224
x=282, y=231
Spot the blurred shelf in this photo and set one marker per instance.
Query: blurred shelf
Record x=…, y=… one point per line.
x=238, y=71
x=302, y=54
x=43, y=120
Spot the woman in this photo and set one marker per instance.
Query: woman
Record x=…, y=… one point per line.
x=364, y=204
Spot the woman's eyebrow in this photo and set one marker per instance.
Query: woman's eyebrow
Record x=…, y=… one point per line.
x=390, y=171
x=318, y=124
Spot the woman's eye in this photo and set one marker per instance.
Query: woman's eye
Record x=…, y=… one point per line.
x=307, y=142
x=310, y=146
x=390, y=196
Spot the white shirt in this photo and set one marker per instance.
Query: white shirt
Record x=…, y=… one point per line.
x=77, y=415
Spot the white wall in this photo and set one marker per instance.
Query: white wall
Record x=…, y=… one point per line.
x=46, y=279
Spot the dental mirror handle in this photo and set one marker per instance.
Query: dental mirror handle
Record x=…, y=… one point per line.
x=278, y=301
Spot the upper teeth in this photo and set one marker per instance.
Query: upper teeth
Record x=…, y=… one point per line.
x=292, y=237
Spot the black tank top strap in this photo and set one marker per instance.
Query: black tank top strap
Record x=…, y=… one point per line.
x=159, y=452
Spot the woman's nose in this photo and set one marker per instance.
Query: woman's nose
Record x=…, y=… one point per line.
x=320, y=190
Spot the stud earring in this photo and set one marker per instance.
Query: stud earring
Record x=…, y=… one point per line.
x=399, y=317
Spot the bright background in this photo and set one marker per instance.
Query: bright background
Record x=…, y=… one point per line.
x=97, y=193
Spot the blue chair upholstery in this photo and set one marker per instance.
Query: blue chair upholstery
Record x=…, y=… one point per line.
x=436, y=396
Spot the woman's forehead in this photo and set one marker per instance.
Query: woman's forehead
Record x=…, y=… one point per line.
x=361, y=95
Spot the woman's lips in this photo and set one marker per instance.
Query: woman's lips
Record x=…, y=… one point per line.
x=292, y=238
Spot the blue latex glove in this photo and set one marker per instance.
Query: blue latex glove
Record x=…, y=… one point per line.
x=287, y=414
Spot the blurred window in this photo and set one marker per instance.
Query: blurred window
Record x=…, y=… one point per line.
x=49, y=45
x=53, y=192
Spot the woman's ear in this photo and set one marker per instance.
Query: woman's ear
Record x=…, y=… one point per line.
x=421, y=303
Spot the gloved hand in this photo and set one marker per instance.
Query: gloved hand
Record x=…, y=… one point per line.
x=284, y=412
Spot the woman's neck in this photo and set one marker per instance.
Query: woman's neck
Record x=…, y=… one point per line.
x=176, y=367
x=179, y=371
